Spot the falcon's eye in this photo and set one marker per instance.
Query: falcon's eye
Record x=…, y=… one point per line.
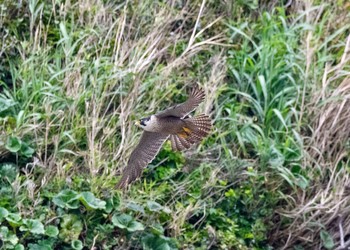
x=144, y=120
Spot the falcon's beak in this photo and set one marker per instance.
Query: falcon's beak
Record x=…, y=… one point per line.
x=137, y=123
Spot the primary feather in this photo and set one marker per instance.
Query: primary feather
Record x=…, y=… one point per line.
x=181, y=110
x=148, y=147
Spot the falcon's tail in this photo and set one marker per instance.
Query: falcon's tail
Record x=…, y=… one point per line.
x=194, y=130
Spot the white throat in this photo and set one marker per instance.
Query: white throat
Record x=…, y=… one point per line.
x=152, y=124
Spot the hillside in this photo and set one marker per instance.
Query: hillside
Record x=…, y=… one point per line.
x=272, y=174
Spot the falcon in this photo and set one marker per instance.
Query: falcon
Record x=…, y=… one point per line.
x=174, y=124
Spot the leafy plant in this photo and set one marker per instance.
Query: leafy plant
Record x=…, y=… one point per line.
x=154, y=242
x=125, y=221
x=16, y=145
x=33, y=226
x=71, y=227
x=71, y=199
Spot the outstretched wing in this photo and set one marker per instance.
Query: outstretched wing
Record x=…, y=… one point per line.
x=181, y=110
x=148, y=147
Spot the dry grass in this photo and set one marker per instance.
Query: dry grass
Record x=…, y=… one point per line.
x=324, y=206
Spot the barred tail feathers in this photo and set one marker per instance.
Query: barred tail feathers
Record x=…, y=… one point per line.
x=194, y=131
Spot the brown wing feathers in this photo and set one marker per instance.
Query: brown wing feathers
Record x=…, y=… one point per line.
x=196, y=129
x=181, y=110
x=147, y=149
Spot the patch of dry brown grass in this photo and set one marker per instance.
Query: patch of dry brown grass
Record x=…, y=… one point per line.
x=324, y=205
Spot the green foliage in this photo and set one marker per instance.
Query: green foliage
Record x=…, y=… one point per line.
x=16, y=145
x=77, y=245
x=8, y=237
x=33, y=226
x=327, y=240
x=51, y=231
x=71, y=199
x=154, y=242
x=125, y=221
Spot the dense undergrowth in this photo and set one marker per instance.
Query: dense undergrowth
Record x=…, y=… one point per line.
x=74, y=75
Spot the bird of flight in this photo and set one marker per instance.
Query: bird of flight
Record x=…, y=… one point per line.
x=173, y=123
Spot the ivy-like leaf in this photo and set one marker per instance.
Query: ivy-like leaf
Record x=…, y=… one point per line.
x=135, y=207
x=8, y=236
x=125, y=221
x=67, y=199
x=122, y=221
x=135, y=226
x=77, y=244
x=154, y=206
x=154, y=242
x=51, y=231
x=14, y=220
x=112, y=203
x=327, y=239
x=13, y=144
x=26, y=150
x=33, y=226
x=19, y=247
x=91, y=202
x=3, y=213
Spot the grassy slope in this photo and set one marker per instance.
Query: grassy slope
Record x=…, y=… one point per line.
x=74, y=77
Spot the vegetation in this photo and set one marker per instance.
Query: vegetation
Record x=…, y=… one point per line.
x=274, y=173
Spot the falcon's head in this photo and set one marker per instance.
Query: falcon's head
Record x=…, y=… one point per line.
x=147, y=123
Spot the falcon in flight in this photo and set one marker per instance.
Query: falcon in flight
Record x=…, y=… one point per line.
x=173, y=123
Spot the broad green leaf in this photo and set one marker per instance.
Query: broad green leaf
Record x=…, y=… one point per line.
x=8, y=236
x=157, y=229
x=154, y=206
x=67, y=199
x=6, y=104
x=34, y=226
x=13, y=144
x=51, y=231
x=122, y=220
x=3, y=213
x=125, y=221
x=112, y=203
x=77, y=244
x=91, y=202
x=19, y=247
x=327, y=239
x=154, y=242
x=26, y=150
x=14, y=219
x=135, y=207
x=135, y=226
